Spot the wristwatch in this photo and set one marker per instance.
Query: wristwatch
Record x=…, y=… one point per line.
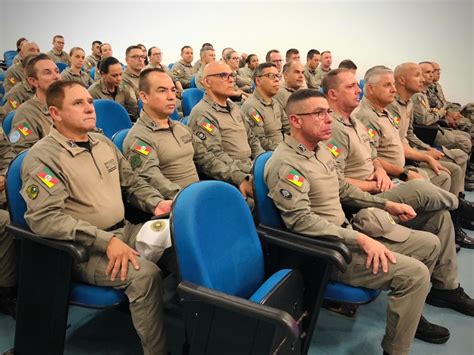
x=404, y=175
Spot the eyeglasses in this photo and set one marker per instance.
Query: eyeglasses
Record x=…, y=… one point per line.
x=319, y=113
x=224, y=76
x=235, y=58
x=138, y=57
x=271, y=76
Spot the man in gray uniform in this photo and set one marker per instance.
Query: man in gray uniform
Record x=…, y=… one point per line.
x=57, y=54
x=182, y=70
x=224, y=144
x=72, y=184
x=300, y=176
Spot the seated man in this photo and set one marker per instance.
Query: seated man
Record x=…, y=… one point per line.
x=94, y=57
x=224, y=145
x=32, y=120
x=293, y=75
x=324, y=67
x=424, y=115
x=312, y=62
x=72, y=184
x=156, y=56
x=160, y=150
x=182, y=70
x=8, y=279
x=207, y=55
x=57, y=54
x=300, y=176
x=263, y=113
x=135, y=60
x=19, y=93
x=15, y=75
x=110, y=86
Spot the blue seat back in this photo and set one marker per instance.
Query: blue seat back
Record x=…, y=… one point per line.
x=16, y=203
x=192, y=83
x=2, y=93
x=170, y=65
x=7, y=122
x=8, y=56
x=119, y=137
x=190, y=98
x=266, y=211
x=175, y=115
x=361, y=85
x=215, y=239
x=140, y=106
x=61, y=66
x=92, y=73
x=111, y=117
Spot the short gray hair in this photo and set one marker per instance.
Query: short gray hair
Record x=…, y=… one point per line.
x=371, y=75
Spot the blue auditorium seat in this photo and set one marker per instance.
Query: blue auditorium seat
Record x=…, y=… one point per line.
x=61, y=66
x=190, y=98
x=7, y=122
x=119, y=137
x=111, y=117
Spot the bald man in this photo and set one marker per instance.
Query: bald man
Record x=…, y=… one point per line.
x=224, y=144
x=15, y=74
x=409, y=81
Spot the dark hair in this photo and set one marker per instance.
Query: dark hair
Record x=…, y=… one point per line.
x=55, y=93
x=348, y=64
x=207, y=45
x=311, y=54
x=259, y=69
x=298, y=96
x=249, y=58
x=143, y=83
x=96, y=42
x=185, y=47
x=30, y=67
x=58, y=36
x=324, y=52
x=18, y=42
x=131, y=48
x=269, y=53
x=290, y=52
x=104, y=64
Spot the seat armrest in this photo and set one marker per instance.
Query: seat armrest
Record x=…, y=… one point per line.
x=326, y=248
x=192, y=292
x=76, y=251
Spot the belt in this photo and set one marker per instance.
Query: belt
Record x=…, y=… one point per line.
x=116, y=226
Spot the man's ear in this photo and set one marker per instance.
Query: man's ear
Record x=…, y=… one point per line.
x=54, y=112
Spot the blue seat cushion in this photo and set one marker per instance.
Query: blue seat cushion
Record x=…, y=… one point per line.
x=91, y=296
x=339, y=292
x=269, y=285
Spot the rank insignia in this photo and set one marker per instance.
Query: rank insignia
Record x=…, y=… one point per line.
x=396, y=122
x=12, y=80
x=286, y=194
x=295, y=178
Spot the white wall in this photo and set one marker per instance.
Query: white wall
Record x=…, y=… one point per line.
x=370, y=33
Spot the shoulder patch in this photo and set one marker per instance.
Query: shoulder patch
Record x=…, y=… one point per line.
x=32, y=191
x=201, y=135
x=295, y=178
x=12, y=80
x=13, y=103
x=47, y=177
x=14, y=136
x=142, y=147
x=24, y=129
x=135, y=161
x=256, y=116
x=396, y=122
x=371, y=131
x=334, y=148
x=207, y=125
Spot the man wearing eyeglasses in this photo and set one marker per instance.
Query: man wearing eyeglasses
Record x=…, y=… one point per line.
x=135, y=60
x=307, y=189
x=264, y=115
x=57, y=54
x=224, y=144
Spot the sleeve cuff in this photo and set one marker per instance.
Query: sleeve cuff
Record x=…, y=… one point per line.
x=102, y=240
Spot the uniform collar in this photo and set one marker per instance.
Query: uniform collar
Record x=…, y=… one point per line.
x=128, y=72
x=68, y=144
x=185, y=64
x=257, y=95
x=104, y=90
x=401, y=101
x=150, y=123
x=44, y=108
x=288, y=88
x=298, y=147
x=341, y=119
x=218, y=107
x=312, y=71
x=366, y=102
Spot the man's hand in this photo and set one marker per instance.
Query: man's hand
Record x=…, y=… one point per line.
x=435, y=153
x=2, y=182
x=436, y=166
x=377, y=253
x=413, y=175
x=164, y=207
x=119, y=255
x=246, y=188
x=403, y=211
x=382, y=181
